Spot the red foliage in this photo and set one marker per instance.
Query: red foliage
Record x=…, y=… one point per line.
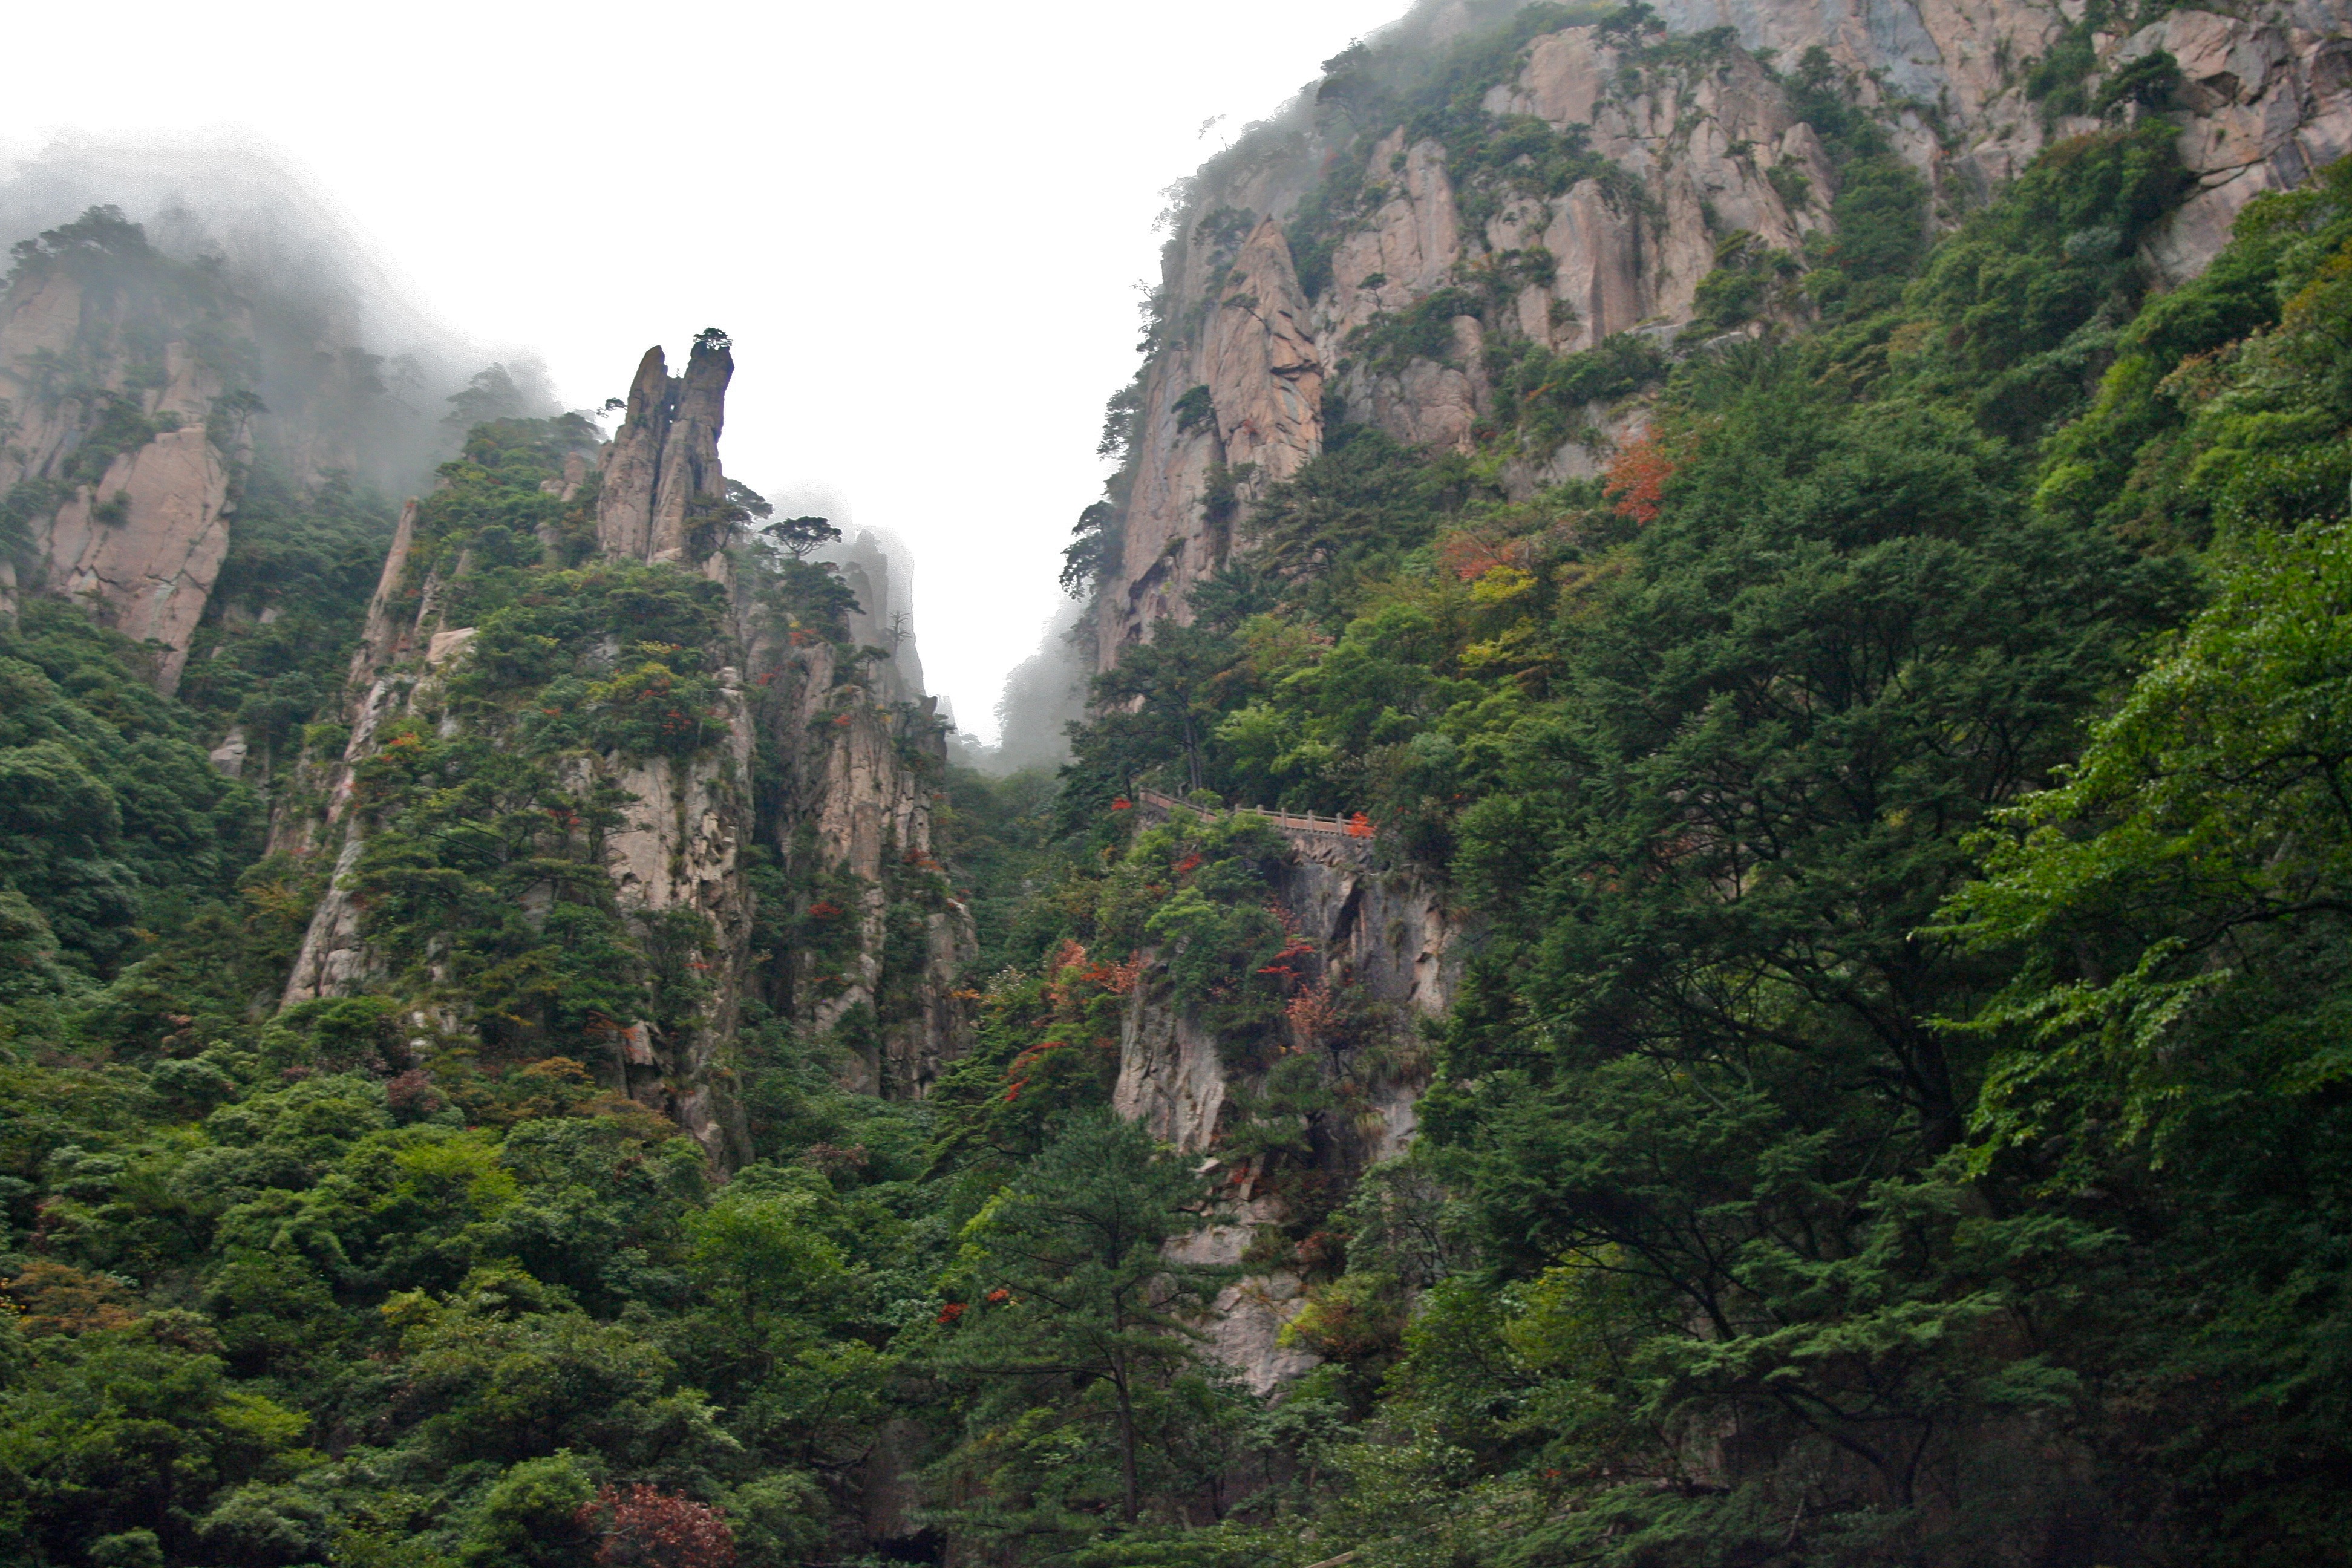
x=639, y=1525
x=1065, y=968
x=1187, y=866
x=1118, y=979
x=1359, y=826
x=1122, y=803
x=1287, y=964
x=411, y=1094
x=823, y=909
x=1637, y=480
x=952, y=1312
x=1470, y=556
x=1022, y=1064
x=998, y=1297
x=1313, y=1013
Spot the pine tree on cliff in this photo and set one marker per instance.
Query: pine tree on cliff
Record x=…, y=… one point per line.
x=1081, y=1318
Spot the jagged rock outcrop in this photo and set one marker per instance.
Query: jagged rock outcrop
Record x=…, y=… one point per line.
x=1696, y=148
x=1262, y=420
x=131, y=415
x=853, y=757
x=660, y=477
x=2271, y=101
x=1264, y=378
x=1702, y=149
x=1385, y=942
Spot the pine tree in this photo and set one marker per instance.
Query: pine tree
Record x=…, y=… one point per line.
x=1079, y=1301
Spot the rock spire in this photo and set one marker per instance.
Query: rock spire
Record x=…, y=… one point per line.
x=661, y=472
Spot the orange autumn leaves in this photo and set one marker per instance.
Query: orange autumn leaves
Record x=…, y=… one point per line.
x=1636, y=480
x=1074, y=979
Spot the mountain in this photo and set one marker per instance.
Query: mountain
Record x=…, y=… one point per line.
x=1430, y=241
x=1695, y=912
x=708, y=705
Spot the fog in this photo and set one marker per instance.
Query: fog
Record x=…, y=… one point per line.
x=1041, y=695
x=922, y=224
x=314, y=287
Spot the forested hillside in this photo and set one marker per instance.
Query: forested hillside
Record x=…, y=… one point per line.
x=1763, y=995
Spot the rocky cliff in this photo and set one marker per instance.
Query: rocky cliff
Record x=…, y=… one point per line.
x=1490, y=234
x=681, y=751
x=115, y=469
x=1486, y=186
x=132, y=413
x=882, y=938
x=1376, y=948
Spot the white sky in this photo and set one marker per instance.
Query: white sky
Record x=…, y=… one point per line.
x=922, y=223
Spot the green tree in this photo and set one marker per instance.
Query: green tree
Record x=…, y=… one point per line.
x=798, y=537
x=2176, y=919
x=533, y=1517
x=134, y=1428
x=758, y=1254
x=1078, y=1294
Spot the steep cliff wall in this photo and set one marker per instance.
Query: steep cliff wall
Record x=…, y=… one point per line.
x=577, y=655
x=116, y=474
x=882, y=940
x=138, y=389
x=1374, y=954
x=1491, y=236
x=1447, y=208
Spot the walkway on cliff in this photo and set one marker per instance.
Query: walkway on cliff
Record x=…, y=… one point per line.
x=1305, y=830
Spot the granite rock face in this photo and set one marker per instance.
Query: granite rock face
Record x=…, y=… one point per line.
x=1705, y=153
x=1696, y=150
x=858, y=754
x=131, y=413
x=1385, y=939
x=150, y=549
x=129, y=473
x=661, y=466
x=861, y=764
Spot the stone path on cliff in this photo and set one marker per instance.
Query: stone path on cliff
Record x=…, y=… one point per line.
x=1353, y=834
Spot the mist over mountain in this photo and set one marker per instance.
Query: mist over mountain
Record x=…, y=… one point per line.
x=313, y=279
x=1044, y=695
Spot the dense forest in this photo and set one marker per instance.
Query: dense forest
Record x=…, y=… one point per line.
x=1888, y=1113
